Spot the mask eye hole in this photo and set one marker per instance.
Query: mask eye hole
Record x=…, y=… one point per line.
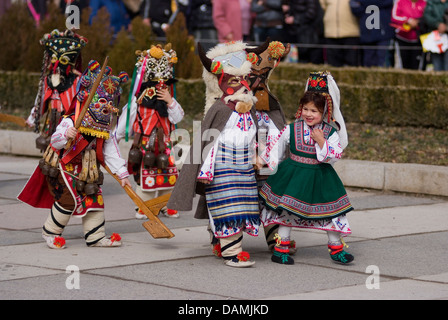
x=64, y=60
x=53, y=59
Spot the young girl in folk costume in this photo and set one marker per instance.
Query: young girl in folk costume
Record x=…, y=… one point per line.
x=221, y=171
x=150, y=117
x=61, y=71
x=67, y=179
x=306, y=191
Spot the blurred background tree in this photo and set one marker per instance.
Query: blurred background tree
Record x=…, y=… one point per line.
x=21, y=49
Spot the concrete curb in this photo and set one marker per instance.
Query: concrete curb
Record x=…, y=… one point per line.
x=401, y=177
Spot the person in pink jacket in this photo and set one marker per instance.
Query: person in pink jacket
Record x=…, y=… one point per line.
x=228, y=20
x=406, y=15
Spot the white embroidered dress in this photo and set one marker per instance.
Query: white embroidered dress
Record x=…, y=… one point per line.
x=329, y=153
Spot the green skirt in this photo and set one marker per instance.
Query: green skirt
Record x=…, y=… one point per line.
x=309, y=191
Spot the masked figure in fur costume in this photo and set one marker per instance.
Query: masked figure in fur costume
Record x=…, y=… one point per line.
x=61, y=71
x=221, y=172
x=68, y=178
x=270, y=116
x=150, y=117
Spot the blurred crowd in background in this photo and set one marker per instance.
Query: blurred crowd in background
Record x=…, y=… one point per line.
x=369, y=33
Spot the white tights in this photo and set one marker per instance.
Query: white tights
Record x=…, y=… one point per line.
x=333, y=236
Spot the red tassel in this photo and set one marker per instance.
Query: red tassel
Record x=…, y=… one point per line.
x=243, y=256
x=59, y=242
x=217, y=250
x=115, y=237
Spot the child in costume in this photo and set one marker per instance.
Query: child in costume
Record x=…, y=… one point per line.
x=222, y=172
x=61, y=71
x=306, y=191
x=150, y=116
x=67, y=180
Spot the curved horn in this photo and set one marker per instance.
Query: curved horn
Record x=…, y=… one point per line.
x=206, y=62
x=258, y=50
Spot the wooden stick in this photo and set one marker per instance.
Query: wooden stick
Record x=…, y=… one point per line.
x=89, y=99
x=10, y=118
x=154, y=225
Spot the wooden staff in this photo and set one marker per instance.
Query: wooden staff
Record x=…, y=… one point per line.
x=154, y=225
x=10, y=118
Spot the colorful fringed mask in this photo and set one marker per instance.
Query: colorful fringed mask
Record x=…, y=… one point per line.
x=156, y=72
x=157, y=62
x=62, y=53
x=98, y=118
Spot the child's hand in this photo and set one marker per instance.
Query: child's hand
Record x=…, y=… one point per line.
x=318, y=136
x=71, y=133
x=125, y=182
x=204, y=181
x=164, y=94
x=259, y=163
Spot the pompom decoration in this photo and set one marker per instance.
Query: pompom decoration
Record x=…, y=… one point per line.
x=85, y=80
x=217, y=250
x=107, y=71
x=171, y=212
x=93, y=65
x=115, y=237
x=243, y=256
x=252, y=57
x=156, y=52
x=276, y=49
x=59, y=242
x=216, y=67
x=124, y=77
x=82, y=95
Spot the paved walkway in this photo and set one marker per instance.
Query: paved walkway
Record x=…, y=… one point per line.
x=399, y=243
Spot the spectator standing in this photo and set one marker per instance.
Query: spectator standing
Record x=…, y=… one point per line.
x=246, y=19
x=200, y=22
x=81, y=4
x=406, y=15
x=119, y=17
x=38, y=10
x=379, y=35
x=228, y=20
x=434, y=19
x=159, y=14
x=268, y=20
x=341, y=28
x=304, y=25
